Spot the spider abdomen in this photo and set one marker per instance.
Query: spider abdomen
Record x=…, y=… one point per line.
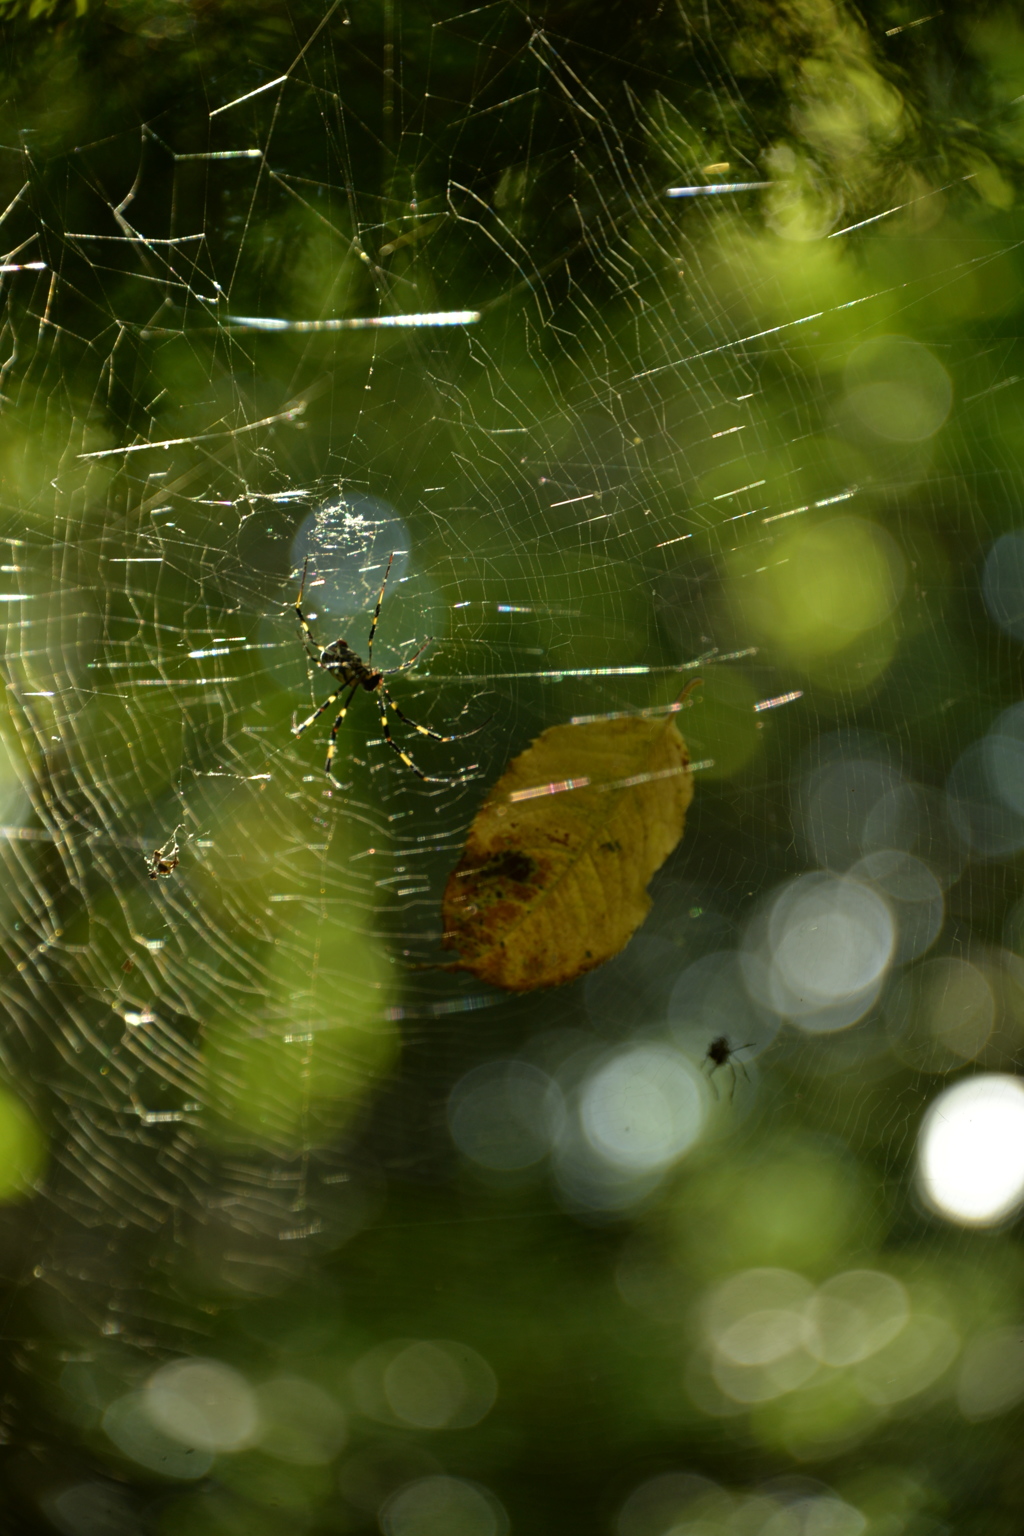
x=341, y=660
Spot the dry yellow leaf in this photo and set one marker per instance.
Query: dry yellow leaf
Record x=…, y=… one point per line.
x=553, y=879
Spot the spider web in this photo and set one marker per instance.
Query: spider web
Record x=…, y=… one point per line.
x=442, y=308
x=524, y=505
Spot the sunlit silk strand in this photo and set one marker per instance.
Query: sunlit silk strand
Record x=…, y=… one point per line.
x=717, y=189
x=827, y=501
x=563, y=672
x=780, y=698
x=634, y=714
x=674, y=708
x=361, y=323
x=560, y=786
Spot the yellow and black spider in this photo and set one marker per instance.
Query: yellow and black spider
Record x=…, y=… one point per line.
x=341, y=661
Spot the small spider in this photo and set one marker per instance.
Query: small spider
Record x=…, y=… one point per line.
x=340, y=660
x=720, y=1053
x=162, y=862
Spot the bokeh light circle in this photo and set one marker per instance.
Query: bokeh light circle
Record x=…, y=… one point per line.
x=854, y=1314
x=819, y=952
x=91, y=1509
x=971, y=1151
x=1002, y=583
x=992, y=1373
x=833, y=939
x=439, y=1384
x=898, y=389
x=661, y=1503
x=834, y=801
x=424, y=1384
x=340, y=540
x=940, y=1014
x=203, y=1403
x=505, y=1115
x=22, y=1148
x=128, y=1424
x=643, y=1108
x=915, y=819
x=443, y=1506
x=299, y=1421
x=913, y=894
x=918, y=1356
x=986, y=789
x=828, y=584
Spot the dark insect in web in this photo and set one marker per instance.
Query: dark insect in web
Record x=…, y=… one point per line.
x=720, y=1053
x=352, y=673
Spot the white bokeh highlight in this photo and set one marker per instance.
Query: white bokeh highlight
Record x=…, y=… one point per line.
x=202, y=1403
x=644, y=1108
x=820, y=951
x=971, y=1151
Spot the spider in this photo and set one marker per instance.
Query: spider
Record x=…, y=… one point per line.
x=340, y=660
x=162, y=862
x=720, y=1052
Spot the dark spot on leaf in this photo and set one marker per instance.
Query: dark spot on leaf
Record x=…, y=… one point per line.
x=510, y=866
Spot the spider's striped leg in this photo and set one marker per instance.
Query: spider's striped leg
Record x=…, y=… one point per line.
x=332, y=744
x=307, y=634
x=394, y=671
x=425, y=730
x=297, y=730
x=376, y=611
x=431, y=778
